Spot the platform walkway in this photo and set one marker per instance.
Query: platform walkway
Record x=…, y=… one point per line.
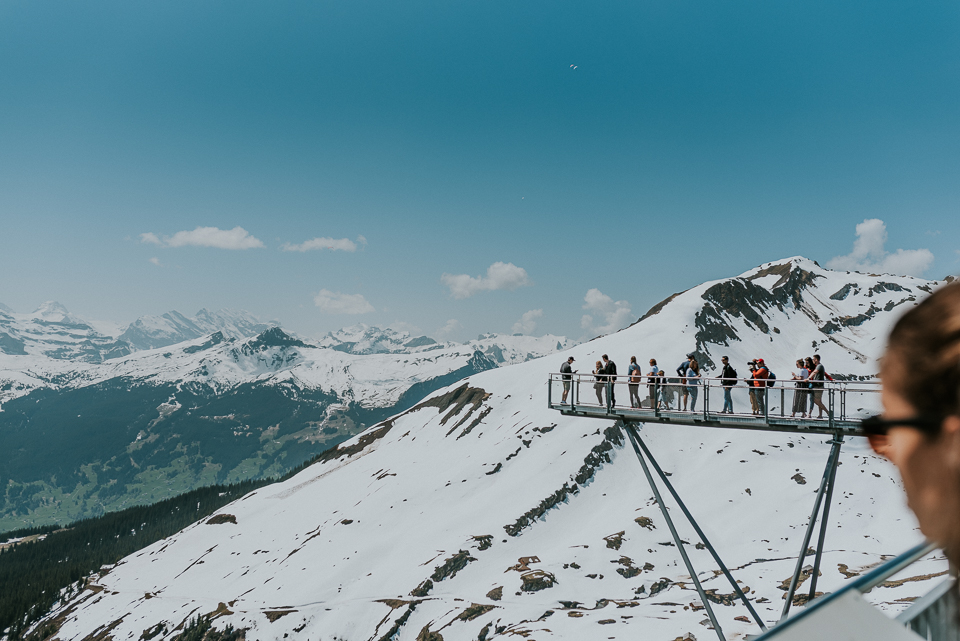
x=846, y=402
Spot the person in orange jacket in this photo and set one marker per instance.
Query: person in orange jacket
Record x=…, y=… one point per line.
x=760, y=376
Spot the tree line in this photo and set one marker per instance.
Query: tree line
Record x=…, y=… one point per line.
x=32, y=575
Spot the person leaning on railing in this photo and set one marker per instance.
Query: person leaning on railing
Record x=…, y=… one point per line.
x=919, y=430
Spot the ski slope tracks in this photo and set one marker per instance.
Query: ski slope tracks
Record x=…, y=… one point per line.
x=481, y=514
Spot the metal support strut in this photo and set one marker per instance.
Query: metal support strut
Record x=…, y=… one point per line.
x=703, y=537
x=673, y=531
x=826, y=486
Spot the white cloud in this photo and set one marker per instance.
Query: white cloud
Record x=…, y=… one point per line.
x=449, y=327
x=499, y=276
x=333, y=244
x=527, y=322
x=337, y=303
x=612, y=315
x=236, y=238
x=156, y=261
x=870, y=255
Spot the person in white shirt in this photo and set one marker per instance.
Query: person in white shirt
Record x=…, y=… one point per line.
x=652, y=376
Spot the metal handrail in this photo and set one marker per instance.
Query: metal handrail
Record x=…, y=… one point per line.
x=836, y=396
x=787, y=383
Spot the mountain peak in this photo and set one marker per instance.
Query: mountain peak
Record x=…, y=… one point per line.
x=51, y=310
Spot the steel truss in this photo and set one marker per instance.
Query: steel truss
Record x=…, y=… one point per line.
x=821, y=503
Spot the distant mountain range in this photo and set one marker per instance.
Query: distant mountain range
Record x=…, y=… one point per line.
x=91, y=422
x=150, y=332
x=479, y=513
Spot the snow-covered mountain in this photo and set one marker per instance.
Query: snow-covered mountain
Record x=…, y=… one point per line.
x=150, y=332
x=363, y=339
x=479, y=513
x=53, y=332
x=79, y=437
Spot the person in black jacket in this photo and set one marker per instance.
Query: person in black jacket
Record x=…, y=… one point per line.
x=567, y=370
x=728, y=378
x=610, y=369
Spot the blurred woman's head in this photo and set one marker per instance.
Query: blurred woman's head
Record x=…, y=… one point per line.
x=800, y=363
x=921, y=387
x=808, y=362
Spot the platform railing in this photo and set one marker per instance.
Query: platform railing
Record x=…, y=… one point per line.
x=932, y=616
x=828, y=402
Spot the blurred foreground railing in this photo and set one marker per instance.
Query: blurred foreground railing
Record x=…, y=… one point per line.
x=844, y=614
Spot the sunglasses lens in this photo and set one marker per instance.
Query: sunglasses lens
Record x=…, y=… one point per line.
x=874, y=425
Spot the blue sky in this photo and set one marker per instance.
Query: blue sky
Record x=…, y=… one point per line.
x=692, y=141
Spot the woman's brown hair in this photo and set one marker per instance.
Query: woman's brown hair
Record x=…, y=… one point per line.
x=923, y=355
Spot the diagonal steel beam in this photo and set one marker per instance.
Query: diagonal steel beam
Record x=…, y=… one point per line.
x=696, y=526
x=827, y=473
x=838, y=438
x=673, y=532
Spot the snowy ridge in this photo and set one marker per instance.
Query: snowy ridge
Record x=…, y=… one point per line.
x=275, y=357
x=481, y=514
x=150, y=332
x=51, y=331
x=362, y=339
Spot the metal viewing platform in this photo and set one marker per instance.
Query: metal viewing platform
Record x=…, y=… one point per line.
x=846, y=403
x=832, y=408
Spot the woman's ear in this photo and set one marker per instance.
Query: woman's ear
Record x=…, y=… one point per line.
x=880, y=444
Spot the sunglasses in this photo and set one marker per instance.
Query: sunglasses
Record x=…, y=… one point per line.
x=875, y=425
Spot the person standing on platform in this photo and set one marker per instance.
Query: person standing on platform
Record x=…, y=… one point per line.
x=610, y=369
x=816, y=379
x=633, y=382
x=800, y=394
x=653, y=376
x=598, y=383
x=566, y=371
x=728, y=378
x=693, y=384
x=760, y=376
x=752, y=365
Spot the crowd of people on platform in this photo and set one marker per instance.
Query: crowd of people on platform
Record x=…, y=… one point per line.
x=684, y=389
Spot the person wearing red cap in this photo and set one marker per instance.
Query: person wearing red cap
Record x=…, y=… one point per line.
x=759, y=381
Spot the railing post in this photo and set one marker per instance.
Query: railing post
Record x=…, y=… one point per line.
x=766, y=401
x=706, y=399
x=783, y=400
x=656, y=397
x=550, y=391
x=830, y=398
